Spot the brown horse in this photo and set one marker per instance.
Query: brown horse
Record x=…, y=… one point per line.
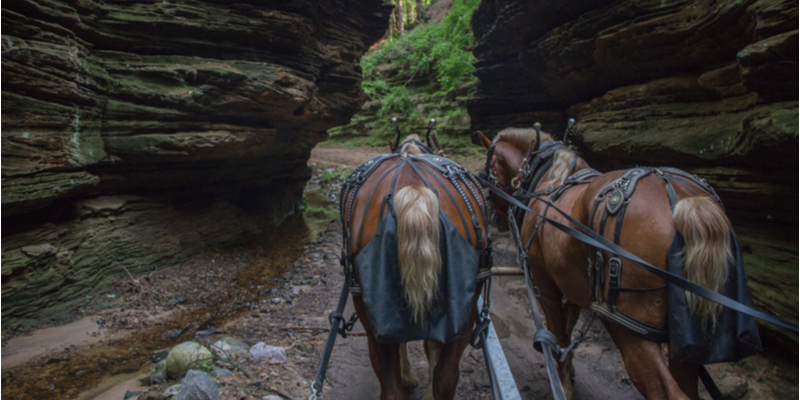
x=559, y=261
x=419, y=195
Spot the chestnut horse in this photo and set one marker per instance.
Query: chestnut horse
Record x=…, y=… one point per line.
x=559, y=261
x=419, y=195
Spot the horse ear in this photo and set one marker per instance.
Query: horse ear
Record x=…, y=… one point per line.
x=485, y=142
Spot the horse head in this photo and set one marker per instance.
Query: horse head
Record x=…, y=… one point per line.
x=412, y=144
x=518, y=156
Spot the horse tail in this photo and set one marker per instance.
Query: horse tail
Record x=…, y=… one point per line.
x=417, y=210
x=706, y=254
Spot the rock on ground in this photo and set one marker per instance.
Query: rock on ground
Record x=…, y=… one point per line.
x=261, y=351
x=197, y=385
x=229, y=348
x=186, y=356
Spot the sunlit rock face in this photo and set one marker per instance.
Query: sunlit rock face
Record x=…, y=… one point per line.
x=706, y=86
x=135, y=134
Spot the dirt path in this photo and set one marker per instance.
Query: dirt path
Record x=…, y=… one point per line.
x=282, y=297
x=339, y=155
x=343, y=156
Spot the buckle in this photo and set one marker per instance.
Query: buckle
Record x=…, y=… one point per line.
x=614, y=267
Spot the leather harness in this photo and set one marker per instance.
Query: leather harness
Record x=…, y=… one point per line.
x=616, y=195
x=436, y=167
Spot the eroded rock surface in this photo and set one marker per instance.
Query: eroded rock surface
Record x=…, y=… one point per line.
x=136, y=134
x=706, y=86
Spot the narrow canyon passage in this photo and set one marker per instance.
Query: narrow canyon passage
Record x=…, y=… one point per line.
x=253, y=302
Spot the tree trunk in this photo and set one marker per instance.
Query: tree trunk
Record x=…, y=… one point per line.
x=391, y=27
x=399, y=10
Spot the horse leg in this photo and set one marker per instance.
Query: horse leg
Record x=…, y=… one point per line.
x=645, y=365
x=385, y=359
x=432, y=351
x=409, y=381
x=571, y=314
x=447, y=373
x=686, y=375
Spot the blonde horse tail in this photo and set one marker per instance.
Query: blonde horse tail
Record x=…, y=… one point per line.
x=417, y=210
x=706, y=232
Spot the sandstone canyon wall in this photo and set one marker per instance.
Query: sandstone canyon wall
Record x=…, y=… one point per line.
x=135, y=134
x=709, y=86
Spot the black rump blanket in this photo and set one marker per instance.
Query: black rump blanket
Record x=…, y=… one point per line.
x=389, y=313
x=733, y=338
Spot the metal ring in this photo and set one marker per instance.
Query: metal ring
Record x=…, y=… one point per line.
x=515, y=185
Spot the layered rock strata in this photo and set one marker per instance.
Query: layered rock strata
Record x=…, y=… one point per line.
x=706, y=86
x=135, y=134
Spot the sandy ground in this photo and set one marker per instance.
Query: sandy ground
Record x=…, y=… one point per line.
x=339, y=155
x=300, y=325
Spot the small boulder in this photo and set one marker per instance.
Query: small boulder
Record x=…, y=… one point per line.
x=152, y=395
x=186, y=356
x=261, y=351
x=159, y=374
x=197, y=385
x=305, y=347
x=228, y=348
x=172, y=390
x=131, y=395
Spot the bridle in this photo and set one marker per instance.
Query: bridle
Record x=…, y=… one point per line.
x=426, y=148
x=528, y=169
x=537, y=160
x=421, y=146
x=490, y=173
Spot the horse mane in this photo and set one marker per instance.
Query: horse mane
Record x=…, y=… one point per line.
x=521, y=138
x=410, y=148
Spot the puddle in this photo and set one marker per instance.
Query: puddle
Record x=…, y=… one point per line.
x=89, y=372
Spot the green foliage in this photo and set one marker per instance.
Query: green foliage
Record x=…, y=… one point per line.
x=375, y=89
x=459, y=112
x=397, y=100
x=444, y=48
x=336, y=174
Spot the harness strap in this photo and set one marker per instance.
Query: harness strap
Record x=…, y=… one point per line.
x=615, y=264
x=371, y=194
x=548, y=348
x=336, y=320
x=446, y=190
x=711, y=387
x=572, y=166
